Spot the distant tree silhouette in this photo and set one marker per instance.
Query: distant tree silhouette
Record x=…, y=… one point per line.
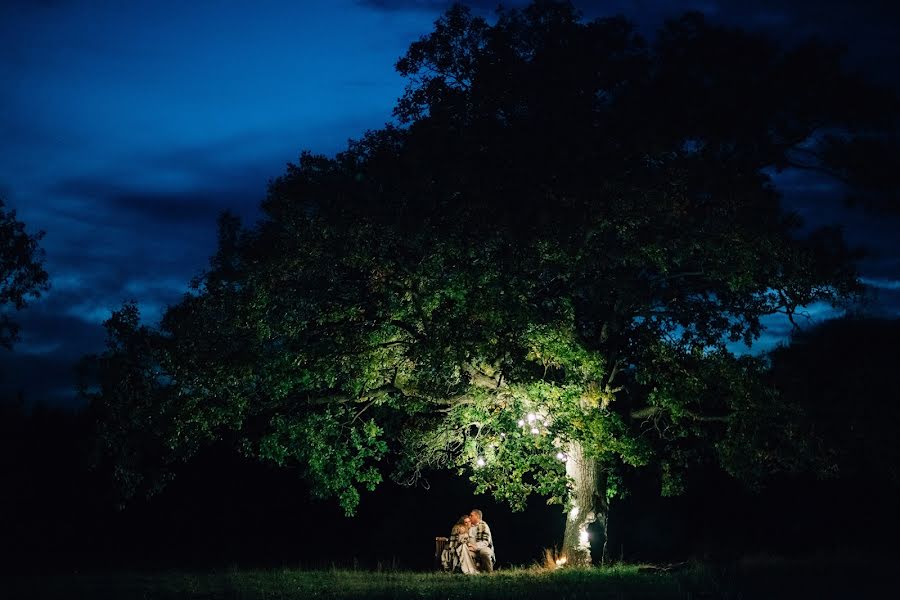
x=841, y=374
x=532, y=280
x=22, y=274
x=129, y=379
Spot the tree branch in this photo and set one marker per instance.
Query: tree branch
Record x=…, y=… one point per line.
x=451, y=403
x=483, y=380
x=652, y=411
x=408, y=329
x=612, y=375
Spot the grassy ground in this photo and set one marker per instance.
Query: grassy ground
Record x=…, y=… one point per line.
x=692, y=582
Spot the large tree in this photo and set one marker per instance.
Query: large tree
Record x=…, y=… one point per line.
x=533, y=278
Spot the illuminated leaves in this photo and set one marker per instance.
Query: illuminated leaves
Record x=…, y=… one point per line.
x=337, y=457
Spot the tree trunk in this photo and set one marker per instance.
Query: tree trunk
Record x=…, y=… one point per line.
x=589, y=508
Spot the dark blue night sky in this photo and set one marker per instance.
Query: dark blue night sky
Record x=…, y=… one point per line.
x=126, y=127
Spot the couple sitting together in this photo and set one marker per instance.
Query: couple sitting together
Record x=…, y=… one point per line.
x=471, y=547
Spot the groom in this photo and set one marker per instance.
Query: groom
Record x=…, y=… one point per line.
x=481, y=544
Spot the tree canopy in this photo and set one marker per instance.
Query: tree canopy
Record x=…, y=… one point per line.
x=545, y=258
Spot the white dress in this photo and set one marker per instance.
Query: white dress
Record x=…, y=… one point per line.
x=457, y=557
x=464, y=556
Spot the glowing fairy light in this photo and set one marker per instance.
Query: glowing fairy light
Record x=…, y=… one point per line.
x=480, y=462
x=560, y=561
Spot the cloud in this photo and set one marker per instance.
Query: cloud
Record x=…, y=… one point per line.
x=42, y=365
x=884, y=284
x=819, y=201
x=47, y=378
x=108, y=243
x=47, y=330
x=777, y=328
x=139, y=228
x=883, y=300
x=436, y=6
x=102, y=203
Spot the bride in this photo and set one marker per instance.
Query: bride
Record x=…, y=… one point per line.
x=459, y=558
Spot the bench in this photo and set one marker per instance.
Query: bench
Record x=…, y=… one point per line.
x=440, y=544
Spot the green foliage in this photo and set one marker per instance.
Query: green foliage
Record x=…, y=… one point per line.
x=336, y=457
x=571, y=224
x=132, y=403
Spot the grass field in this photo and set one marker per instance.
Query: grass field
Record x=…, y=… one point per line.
x=763, y=579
